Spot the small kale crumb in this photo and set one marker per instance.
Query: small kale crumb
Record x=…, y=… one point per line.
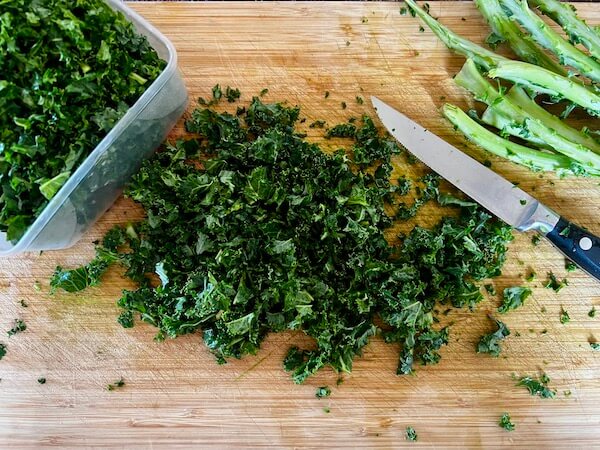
x=543, y=309
x=517, y=334
x=564, y=316
x=487, y=163
x=17, y=328
x=592, y=312
x=544, y=331
x=535, y=239
x=411, y=434
x=567, y=393
x=523, y=202
x=490, y=343
x=217, y=93
x=2, y=350
x=513, y=297
x=530, y=276
x=326, y=410
x=364, y=20
x=538, y=387
x=323, y=391
x=506, y=423
x=463, y=19
x=595, y=346
x=421, y=29
x=347, y=45
x=490, y=289
x=23, y=303
x=343, y=104
x=42, y=380
x=317, y=124
x=37, y=286
x=327, y=92
x=232, y=94
x=554, y=284
x=403, y=11
x=566, y=231
x=117, y=384
x=339, y=381
x=570, y=265
x=264, y=92
x=359, y=100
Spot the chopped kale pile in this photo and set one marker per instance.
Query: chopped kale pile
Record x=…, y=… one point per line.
x=68, y=72
x=251, y=229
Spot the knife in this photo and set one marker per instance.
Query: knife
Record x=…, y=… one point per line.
x=498, y=195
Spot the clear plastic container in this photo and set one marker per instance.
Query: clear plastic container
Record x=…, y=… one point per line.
x=99, y=181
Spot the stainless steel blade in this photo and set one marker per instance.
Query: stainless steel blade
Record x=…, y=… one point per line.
x=496, y=194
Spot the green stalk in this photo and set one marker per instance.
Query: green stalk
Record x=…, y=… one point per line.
x=545, y=36
x=518, y=97
x=577, y=30
x=508, y=30
x=543, y=81
x=470, y=78
x=534, y=159
x=480, y=55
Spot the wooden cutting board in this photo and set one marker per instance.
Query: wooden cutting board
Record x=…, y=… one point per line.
x=175, y=393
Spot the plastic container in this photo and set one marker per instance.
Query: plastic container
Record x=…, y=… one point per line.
x=99, y=180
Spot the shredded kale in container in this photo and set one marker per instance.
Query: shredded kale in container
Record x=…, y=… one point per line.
x=69, y=72
x=251, y=229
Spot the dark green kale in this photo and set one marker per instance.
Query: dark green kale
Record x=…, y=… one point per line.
x=359, y=100
x=18, y=327
x=490, y=343
x=117, y=384
x=410, y=434
x=570, y=265
x=554, y=284
x=592, y=312
x=513, y=297
x=538, y=387
x=564, y=316
x=490, y=289
x=232, y=94
x=23, y=303
x=251, y=229
x=594, y=345
x=323, y=392
x=42, y=380
x=70, y=71
x=317, y=124
x=535, y=239
x=506, y=423
x=2, y=350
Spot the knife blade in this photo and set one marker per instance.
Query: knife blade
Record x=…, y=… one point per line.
x=498, y=195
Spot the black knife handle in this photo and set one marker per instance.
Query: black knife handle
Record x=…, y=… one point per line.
x=581, y=246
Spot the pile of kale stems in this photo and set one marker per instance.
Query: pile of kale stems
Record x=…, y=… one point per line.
x=68, y=72
x=250, y=228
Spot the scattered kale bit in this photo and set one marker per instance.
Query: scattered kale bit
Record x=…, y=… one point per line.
x=513, y=297
x=117, y=384
x=564, y=316
x=411, y=434
x=566, y=231
x=41, y=380
x=567, y=393
x=403, y=11
x=2, y=350
x=359, y=100
x=592, y=312
x=23, y=303
x=570, y=265
x=538, y=387
x=18, y=327
x=364, y=20
x=37, y=286
x=232, y=94
x=323, y=391
x=343, y=104
x=264, y=92
x=490, y=289
x=327, y=410
x=490, y=343
x=535, y=239
x=506, y=423
x=343, y=130
x=70, y=71
x=250, y=229
x=326, y=94
x=595, y=345
x=554, y=284
x=317, y=124
x=217, y=93
x=531, y=276
x=421, y=29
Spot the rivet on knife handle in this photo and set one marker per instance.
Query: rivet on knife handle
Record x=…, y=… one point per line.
x=577, y=244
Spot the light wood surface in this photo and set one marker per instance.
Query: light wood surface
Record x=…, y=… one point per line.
x=176, y=395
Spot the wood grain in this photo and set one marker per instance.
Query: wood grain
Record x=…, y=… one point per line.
x=175, y=393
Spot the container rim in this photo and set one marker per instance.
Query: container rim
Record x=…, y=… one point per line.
x=143, y=27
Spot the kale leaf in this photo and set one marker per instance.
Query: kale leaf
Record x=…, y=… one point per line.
x=538, y=387
x=506, y=423
x=513, y=297
x=490, y=343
